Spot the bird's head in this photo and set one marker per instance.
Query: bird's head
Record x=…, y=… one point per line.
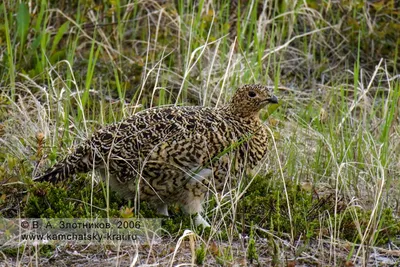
x=250, y=99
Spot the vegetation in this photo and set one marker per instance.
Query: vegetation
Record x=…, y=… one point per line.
x=327, y=193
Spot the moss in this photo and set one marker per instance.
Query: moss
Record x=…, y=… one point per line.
x=74, y=200
x=265, y=204
x=251, y=248
x=225, y=257
x=389, y=225
x=11, y=252
x=177, y=222
x=200, y=255
x=43, y=250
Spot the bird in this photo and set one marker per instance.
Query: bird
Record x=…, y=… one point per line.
x=175, y=154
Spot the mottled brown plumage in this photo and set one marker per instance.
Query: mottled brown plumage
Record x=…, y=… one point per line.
x=174, y=154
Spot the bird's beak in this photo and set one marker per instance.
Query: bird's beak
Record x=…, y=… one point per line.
x=273, y=99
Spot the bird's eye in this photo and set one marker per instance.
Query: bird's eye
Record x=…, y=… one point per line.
x=252, y=94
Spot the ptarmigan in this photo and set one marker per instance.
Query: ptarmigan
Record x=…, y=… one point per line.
x=175, y=154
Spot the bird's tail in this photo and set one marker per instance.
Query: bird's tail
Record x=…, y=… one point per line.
x=74, y=163
x=59, y=172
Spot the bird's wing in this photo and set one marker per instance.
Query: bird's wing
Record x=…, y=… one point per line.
x=175, y=142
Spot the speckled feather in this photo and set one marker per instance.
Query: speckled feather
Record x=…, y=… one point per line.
x=174, y=154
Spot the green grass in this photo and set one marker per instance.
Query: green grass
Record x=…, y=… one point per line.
x=328, y=191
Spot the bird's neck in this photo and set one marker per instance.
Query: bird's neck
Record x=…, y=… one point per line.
x=243, y=116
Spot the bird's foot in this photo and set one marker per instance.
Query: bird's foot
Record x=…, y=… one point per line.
x=162, y=209
x=199, y=220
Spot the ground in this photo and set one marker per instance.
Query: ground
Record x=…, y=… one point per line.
x=326, y=195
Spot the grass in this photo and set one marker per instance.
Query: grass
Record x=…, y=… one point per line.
x=327, y=193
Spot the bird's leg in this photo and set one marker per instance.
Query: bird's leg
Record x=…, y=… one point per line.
x=162, y=209
x=194, y=194
x=199, y=176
